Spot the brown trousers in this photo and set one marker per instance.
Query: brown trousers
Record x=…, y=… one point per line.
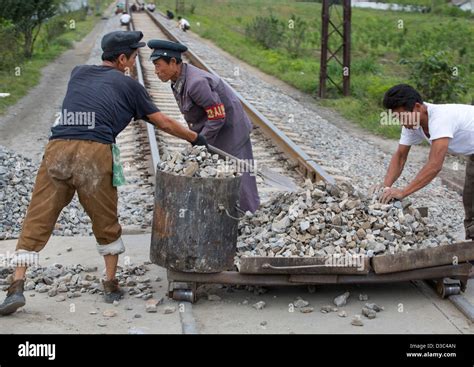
x=468, y=198
x=69, y=166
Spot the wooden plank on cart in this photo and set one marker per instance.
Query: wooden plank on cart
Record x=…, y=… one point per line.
x=460, y=271
x=426, y=258
x=355, y=265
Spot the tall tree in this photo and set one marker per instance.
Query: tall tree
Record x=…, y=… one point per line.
x=27, y=17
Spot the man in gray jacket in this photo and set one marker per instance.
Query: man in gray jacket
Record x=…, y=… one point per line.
x=210, y=108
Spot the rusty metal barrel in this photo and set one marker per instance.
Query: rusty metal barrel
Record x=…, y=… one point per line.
x=195, y=223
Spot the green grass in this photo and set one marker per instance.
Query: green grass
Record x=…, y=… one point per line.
x=45, y=52
x=377, y=47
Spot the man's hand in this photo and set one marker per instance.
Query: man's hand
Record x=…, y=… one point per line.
x=375, y=189
x=200, y=140
x=390, y=193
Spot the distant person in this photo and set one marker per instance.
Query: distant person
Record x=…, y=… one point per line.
x=142, y=7
x=151, y=7
x=169, y=14
x=120, y=8
x=183, y=24
x=125, y=19
x=133, y=8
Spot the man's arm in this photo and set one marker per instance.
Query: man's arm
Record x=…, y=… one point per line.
x=397, y=163
x=395, y=169
x=203, y=96
x=172, y=127
x=439, y=148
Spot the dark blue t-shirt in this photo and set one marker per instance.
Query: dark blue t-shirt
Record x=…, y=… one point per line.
x=100, y=102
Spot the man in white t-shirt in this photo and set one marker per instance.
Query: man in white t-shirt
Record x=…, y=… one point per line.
x=125, y=19
x=151, y=7
x=183, y=24
x=447, y=127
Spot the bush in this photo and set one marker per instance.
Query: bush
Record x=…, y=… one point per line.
x=295, y=36
x=64, y=42
x=81, y=14
x=365, y=66
x=452, y=11
x=10, y=54
x=27, y=18
x=54, y=28
x=267, y=31
x=436, y=78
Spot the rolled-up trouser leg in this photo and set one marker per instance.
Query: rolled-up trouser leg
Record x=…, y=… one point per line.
x=468, y=198
x=51, y=193
x=99, y=197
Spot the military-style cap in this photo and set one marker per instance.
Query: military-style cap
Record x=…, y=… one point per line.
x=122, y=41
x=166, y=48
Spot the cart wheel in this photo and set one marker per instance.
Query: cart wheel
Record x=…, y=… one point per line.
x=186, y=295
x=447, y=287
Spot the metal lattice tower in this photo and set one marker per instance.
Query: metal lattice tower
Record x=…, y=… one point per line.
x=336, y=33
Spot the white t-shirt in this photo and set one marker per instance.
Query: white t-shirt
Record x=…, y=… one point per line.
x=183, y=22
x=125, y=18
x=454, y=121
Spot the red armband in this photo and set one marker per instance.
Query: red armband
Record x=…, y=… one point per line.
x=216, y=112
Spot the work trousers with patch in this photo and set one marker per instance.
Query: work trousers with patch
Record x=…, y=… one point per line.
x=69, y=166
x=468, y=198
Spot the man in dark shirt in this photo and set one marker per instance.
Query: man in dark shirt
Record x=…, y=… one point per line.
x=99, y=104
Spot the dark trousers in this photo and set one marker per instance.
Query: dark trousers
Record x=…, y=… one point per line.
x=249, y=199
x=468, y=198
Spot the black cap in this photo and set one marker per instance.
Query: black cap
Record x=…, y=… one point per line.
x=166, y=48
x=122, y=41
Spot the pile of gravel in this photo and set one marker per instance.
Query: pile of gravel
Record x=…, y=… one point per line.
x=324, y=220
x=197, y=162
x=72, y=281
x=17, y=178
